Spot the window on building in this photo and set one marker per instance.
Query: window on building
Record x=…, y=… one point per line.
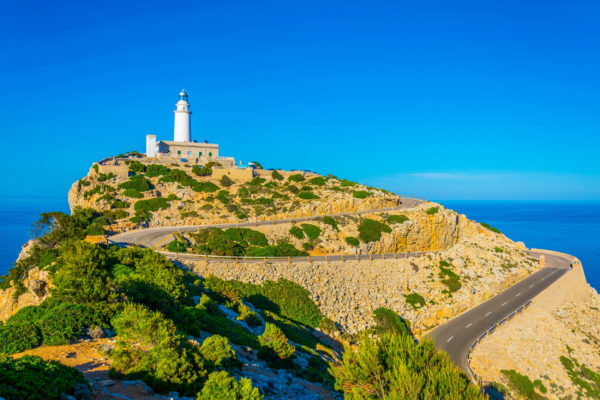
x=189, y=153
x=210, y=154
x=200, y=154
x=178, y=152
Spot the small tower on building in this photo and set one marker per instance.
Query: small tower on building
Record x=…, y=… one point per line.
x=150, y=145
x=183, y=127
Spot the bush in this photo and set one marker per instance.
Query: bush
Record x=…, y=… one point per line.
x=154, y=170
x=396, y=219
x=136, y=166
x=432, y=210
x=276, y=175
x=387, y=321
x=64, y=322
x=312, y=231
x=346, y=183
x=149, y=349
x=133, y=193
x=331, y=221
x=218, y=353
x=136, y=182
x=352, y=241
x=177, y=246
x=222, y=386
x=32, y=378
x=523, y=385
x=318, y=181
x=452, y=280
x=225, y=181
x=361, y=194
x=415, y=300
x=283, y=297
x=370, y=230
x=297, y=232
x=95, y=229
x=275, y=348
x=279, y=250
x=204, y=171
x=400, y=369
x=307, y=195
x=121, y=203
x=17, y=337
x=487, y=226
x=95, y=167
x=296, y=178
x=327, y=325
x=308, y=246
x=153, y=204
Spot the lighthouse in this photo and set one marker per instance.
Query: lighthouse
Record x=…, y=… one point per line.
x=183, y=127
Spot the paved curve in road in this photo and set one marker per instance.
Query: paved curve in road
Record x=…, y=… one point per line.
x=456, y=336
x=149, y=237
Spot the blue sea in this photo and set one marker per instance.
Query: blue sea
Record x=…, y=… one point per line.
x=570, y=227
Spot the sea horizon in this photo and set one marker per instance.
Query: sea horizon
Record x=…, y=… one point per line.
x=569, y=226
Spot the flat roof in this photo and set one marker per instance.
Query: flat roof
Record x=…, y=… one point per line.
x=188, y=144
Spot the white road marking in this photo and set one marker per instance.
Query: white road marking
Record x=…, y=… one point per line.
x=530, y=286
x=469, y=325
x=504, y=302
x=451, y=337
x=489, y=312
x=543, y=279
x=518, y=294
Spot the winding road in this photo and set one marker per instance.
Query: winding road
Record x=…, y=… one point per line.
x=456, y=336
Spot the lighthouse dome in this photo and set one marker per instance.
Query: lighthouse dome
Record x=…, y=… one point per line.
x=183, y=95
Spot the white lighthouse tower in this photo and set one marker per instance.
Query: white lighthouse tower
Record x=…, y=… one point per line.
x=183, y=127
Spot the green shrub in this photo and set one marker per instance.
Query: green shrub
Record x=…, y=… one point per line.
x=346, y=183
x=361, y=194
x=105, y=177
x=275, y=348
x=95, y=229
x=331, y=221
x=276, y=175
x=452, y=280
x=177, y=246
x=297, y=232
x=400, y=369
x=136, y=166
x=432, y=210
x=522, y=384
x=133, y=193
x=246, y=236
x=121, y=203
x=308, y=246
x=415, y=300
x=307, y=195
x=296, y=178
x=487, y=226
x=283, y=297
x=222, y=386
x=318, y=181
x=18, y=336
x=396, y=219
x=370, y=230
x=281, y=249
x=95, y=167
x=154, y=170
x=312, y=231
x=293, y=188
x=328, y=325
x=387, y=321
x=352, y=241
x=204, y=171
x=32, y=378
x=225, y=181
x=223, y=196
x=64, y=322
x=498, y=249
x=148, y=348
x=218, y=353
x=243, y=192
x=136, y=182
x=153, y=204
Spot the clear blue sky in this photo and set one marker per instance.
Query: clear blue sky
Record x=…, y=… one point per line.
x=444, y=99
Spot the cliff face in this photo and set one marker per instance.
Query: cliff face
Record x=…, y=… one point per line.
x=38, y=287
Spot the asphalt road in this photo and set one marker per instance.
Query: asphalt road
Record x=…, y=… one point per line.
x=456, y=336
x=149, y=237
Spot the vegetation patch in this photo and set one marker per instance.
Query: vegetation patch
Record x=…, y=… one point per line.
x=318, y=181
x=153, y=204
x=307, y=195
x=415, y=300
x=311, y=231
x=276, y=175
x=432, y=210
x=523, y=385
x=361, y=194
x=154, y=170
x=370, y=230
x=491, y=228
x=586, y=379
x=449, y=277
x=397, y=219
x=352, y=241
x=297, y=232
x=133, y=193
x=137, y=182
x=225, y=181
x=296, y=178
x=331, y=222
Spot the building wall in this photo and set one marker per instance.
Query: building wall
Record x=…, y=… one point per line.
x=209, y=151
x=236, y=174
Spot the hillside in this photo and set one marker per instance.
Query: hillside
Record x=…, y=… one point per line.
x=272, y=330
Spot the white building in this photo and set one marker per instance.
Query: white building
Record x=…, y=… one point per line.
x=182, y=145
